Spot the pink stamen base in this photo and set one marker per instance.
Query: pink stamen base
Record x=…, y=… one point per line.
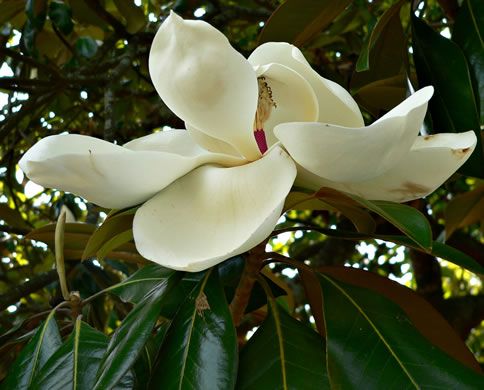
x=260, y=138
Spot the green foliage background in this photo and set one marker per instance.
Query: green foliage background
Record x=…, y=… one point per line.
x=81, y=67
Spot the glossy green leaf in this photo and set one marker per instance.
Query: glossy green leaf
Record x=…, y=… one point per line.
x=382, y=95
x=386, y=50
x=75, y=363
x=36, y=11
x=424, y=316
x=298, y=21
x=468, y=33
x=28, y=38
x=283, y=354
x=34, y=355
x=452, y=107
x=138, y=285
x=130, y=337
x=61, y=16
x=76, y=239
x=373, y=338
x=382, y=30
x=143, y=368
x=438, y=249
x=112, y=226
x=200, y=347
x=114, y=243
x=407, y=219
x=135, y=288
x=86, y=47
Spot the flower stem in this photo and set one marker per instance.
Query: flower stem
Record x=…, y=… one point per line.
x=253, y=263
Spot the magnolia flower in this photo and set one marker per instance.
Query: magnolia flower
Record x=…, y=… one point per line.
x=253, y=127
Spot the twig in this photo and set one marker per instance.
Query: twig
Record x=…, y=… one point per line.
x=253, y=263
x=13, y=295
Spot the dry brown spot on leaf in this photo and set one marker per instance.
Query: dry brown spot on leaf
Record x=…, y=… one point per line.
x=201, y=304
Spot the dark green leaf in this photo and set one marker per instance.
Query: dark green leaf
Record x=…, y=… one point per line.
x=75, y=363
x=33, y=356
x=114, y=243
x=371, y=337
x=452, y=107
x=112, y=226
x=424, y=316
x=138, y=285
x=76, y=239
x=61, y=16
x=438, y=249
x=283, y=354
x=134, y=15
x=37, y=11
x=389, y=28
x=144, y=366
x=86, y=47
x=28, y=38
x=130, y=337
x=468, y=33
x=297, y=21
x=407, y=219
x=382, y=95
x=200, y=348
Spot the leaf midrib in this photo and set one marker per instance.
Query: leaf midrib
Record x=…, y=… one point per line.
x=370, y=322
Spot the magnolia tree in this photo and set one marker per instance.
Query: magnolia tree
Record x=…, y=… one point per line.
x=206, y=194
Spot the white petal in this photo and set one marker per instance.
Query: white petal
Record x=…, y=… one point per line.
x=214, y=213
x=209, y=143
x=204, y=81
x=294, y=98
x=114, y=176
x=353, y=155
x=431, y=161
x=335, y=103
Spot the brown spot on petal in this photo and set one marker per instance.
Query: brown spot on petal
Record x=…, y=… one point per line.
x=460, y=153
x=427, y=137
x=409, y=189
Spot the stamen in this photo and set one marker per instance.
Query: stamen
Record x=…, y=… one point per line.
x=260, y=138
x=265, y=104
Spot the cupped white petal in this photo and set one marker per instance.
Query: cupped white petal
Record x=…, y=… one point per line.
x=214, y=213
x=209, y=143
x=431, y=161
x=292, y=95
x=353, y=155
x=335, y=103
x=204, y=81
x=114, y=176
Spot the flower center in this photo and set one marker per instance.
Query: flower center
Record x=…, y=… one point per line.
x=265, y=104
